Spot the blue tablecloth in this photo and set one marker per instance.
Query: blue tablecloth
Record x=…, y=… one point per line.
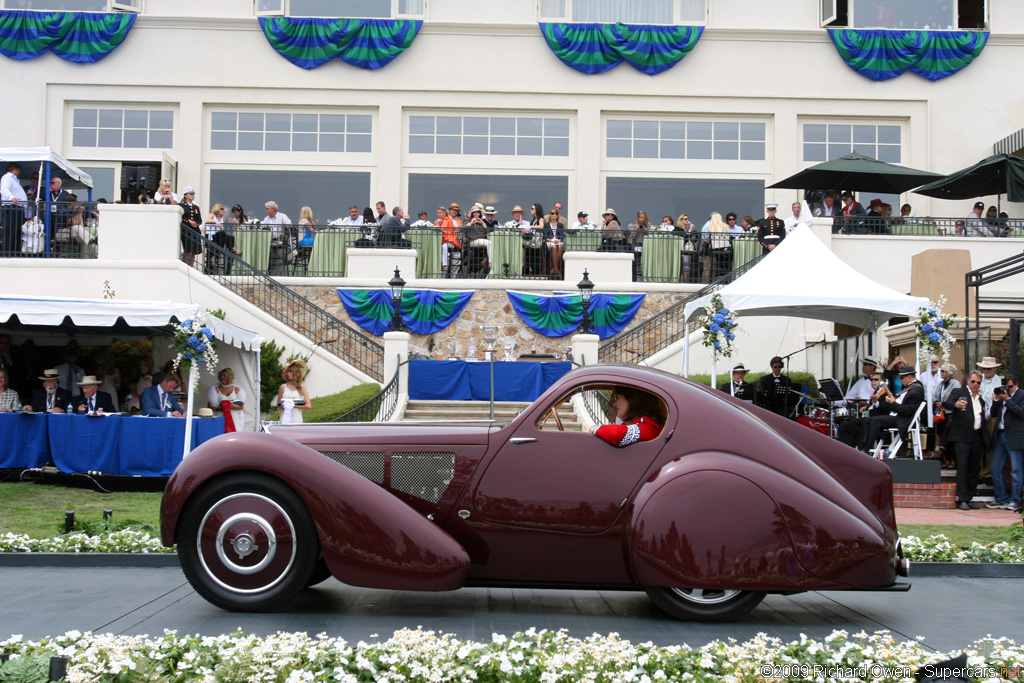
x=144, y=446
x=26, y=443
x=456, y=380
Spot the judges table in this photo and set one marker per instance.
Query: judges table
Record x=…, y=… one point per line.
x=457, y=380
x=112, y=444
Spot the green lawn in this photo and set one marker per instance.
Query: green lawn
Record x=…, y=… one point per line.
x=38, y=511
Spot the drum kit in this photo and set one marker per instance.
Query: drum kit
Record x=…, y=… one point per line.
x=824, y=414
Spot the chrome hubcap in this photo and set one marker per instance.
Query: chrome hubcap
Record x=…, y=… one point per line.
x=705, y=596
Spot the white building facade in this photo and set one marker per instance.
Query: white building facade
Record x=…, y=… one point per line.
x=479, y=108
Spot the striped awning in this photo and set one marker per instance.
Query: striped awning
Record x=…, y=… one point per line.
x=1011, y=144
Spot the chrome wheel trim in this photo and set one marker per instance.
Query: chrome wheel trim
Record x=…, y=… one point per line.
x=244, y=544
x=705, y=596
x=231, y=565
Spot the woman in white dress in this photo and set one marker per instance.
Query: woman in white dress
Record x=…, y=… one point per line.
x=228, y=391
x=293, y=391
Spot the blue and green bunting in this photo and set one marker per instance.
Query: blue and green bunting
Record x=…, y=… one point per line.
x=883, y=54
x=424, y=311
x=80, y=37
x=558, y=315
x=367, y=43
x=596, y=48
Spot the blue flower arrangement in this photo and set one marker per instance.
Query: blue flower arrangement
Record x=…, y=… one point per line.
x=193, y=342
x=933, y=328
x=719, y=328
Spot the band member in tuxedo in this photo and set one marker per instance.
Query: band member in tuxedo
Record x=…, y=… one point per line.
x=903, y=407
x=852, y=432
x=967, y=437
x=738, y=387
x=773, y=389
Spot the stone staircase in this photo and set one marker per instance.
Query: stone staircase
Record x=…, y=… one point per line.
x=504, y=411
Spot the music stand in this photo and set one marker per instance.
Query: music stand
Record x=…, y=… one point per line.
x=831, y=390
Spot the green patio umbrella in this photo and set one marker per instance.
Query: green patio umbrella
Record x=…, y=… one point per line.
x=1000, y=174
x=859, y=173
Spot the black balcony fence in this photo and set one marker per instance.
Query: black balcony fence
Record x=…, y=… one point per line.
x=48, y=229
x=918, y=226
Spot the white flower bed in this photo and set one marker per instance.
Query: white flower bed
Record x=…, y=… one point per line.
x=931, y=549
x=939, y=549
x=124, y=541
x=533, y=656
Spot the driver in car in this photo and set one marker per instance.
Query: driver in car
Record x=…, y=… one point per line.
x=637, y=416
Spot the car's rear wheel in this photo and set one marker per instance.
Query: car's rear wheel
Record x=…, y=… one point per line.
x=247, y=542
x=704, y=604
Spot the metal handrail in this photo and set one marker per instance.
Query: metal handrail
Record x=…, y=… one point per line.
x=367, y=411
x=596, y=404
x=308, y=319
x=665, y=328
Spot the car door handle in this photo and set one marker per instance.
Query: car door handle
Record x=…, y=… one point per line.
x=516, y=440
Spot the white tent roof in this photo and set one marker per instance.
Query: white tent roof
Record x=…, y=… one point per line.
x=105, y=313
x=28, y=154
x=803, y=278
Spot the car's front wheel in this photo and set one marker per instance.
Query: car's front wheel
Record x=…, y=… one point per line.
x=704, y=604
x=247, y=542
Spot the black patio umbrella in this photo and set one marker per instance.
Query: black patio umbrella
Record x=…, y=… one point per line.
x=999, y=174
x=858, y=172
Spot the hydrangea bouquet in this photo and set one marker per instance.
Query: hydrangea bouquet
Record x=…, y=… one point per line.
x=193, y=343
x=719, y=328
x=933, y=329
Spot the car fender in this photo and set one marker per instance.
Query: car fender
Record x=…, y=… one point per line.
x=369, y=537
x=717, y=520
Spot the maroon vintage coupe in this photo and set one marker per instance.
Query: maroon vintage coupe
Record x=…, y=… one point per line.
x=728, y=503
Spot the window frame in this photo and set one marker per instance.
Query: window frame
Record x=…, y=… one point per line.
x=676, y=12
x=284, y=10
x=844, y=9
x=903, y=124
x=346, y=158
x=146, y=154
x=123, y=6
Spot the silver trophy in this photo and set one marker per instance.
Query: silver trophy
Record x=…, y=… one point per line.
x=510, y=345
x=453, y=348
x=490, y=336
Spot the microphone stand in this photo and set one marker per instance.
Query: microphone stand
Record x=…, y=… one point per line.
x=785, y=360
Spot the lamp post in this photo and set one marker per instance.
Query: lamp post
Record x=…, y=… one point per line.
x=491, y=336
x=397, y=284
x=586, y=288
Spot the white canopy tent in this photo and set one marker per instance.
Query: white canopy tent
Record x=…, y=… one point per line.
x=777, y=287
x=46, y=155
x=238, y=348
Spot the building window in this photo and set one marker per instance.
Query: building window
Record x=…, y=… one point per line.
x=904, y=14
x=283, y=132
x=73, y=5
x=502, y=191
x=123, y=128
x=489, y=135
x=349, y=9
x=672, y=12
x=719, y=140
x=828, y=141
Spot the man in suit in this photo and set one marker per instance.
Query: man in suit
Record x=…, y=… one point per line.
x=50, y=398
x=58, y=205
x=1008, y=444
x=738, y=387
x=92, y=401
x=966, y=437
x=852, y=432
x=903, y=408
x=159, y=401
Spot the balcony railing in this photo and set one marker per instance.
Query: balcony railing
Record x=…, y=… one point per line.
x=49, y=230
x=343, y=340
x=928, y=227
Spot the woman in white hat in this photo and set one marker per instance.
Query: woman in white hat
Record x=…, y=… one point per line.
x=611, y=232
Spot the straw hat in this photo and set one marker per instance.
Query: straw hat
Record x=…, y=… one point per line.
x=516, y=208
x=89, y=379
x=739, y=367
x=205, y=412
x=49, y=374
x=988, y=362
x=300, y=364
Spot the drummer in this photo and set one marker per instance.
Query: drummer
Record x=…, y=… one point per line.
x=861, y=389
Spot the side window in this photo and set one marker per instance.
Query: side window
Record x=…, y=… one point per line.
x=591, y=404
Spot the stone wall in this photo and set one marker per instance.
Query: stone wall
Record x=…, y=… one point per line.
x=487, y=307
